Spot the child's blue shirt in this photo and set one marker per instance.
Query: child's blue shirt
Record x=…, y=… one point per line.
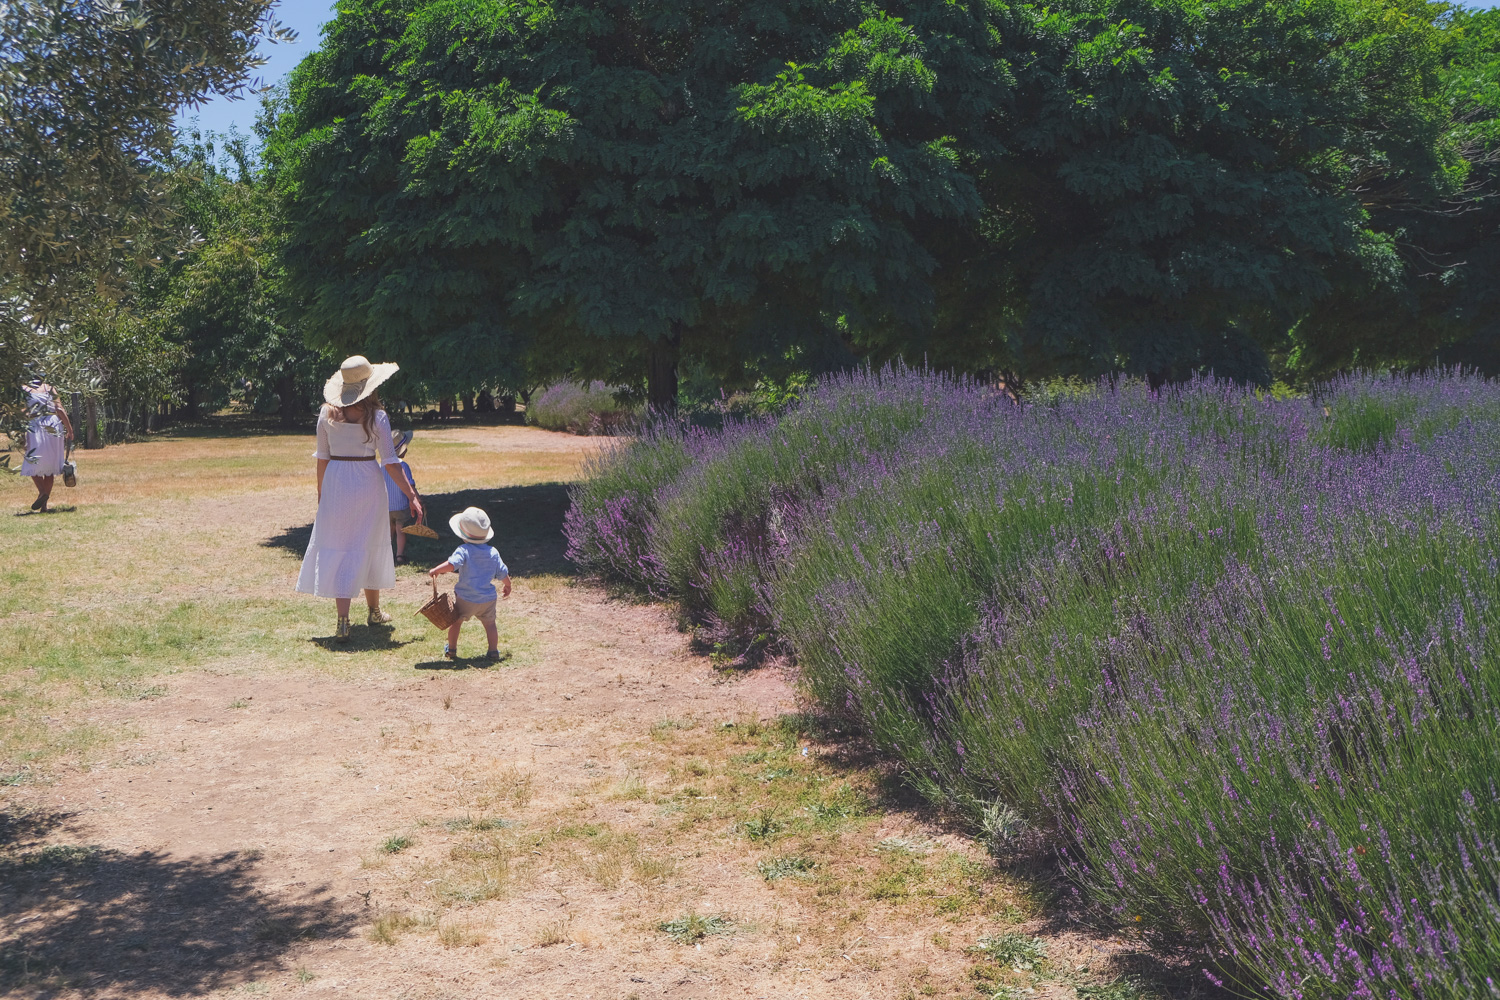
x=478, y=567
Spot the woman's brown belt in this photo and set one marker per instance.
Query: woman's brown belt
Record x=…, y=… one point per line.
x=351, y=458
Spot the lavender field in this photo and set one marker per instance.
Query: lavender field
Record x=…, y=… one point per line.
x=1233, y=658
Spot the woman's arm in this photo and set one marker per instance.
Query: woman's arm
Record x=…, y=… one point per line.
x=322, y=468
x=63, y=416
x=399, y=478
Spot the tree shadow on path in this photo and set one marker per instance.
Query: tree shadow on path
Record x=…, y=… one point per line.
x=528, y=522
x=81, y=919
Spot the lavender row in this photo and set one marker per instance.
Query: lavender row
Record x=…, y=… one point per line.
x=1231, y=654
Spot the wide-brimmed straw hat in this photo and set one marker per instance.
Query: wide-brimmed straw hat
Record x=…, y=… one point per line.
x=356, y=379
x=472, y=525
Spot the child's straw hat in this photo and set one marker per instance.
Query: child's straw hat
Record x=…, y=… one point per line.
x=472, y=525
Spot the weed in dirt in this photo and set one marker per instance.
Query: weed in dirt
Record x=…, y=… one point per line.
x=478, y=825
x=1018, y=951
x=630, y=787
x=396, y=844
x=239, y=703
x=665, y=729
x=552, y=933
x=1123, y=988
x=697, y=768
x=305, y=975
x=904, y=845
x=692, y=927
x=787, y=866
x=388, y=927
x=455, y=935
x=764, y=825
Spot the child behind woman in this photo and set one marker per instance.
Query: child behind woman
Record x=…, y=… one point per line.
x=396, y=501
x=478, y=566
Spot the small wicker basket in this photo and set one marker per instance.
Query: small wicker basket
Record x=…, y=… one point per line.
x=442, y=610
x=420, y=529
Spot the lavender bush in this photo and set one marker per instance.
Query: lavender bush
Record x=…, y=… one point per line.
x=1232, y=653
x=581, y=409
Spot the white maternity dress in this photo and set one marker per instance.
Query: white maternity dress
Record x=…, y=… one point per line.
x=44, y=437
x=350, y=548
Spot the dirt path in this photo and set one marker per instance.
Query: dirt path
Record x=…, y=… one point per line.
x=603, y=816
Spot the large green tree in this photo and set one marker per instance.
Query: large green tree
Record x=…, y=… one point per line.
x=1185, y=181
x=487, y=184
x=1162, y=186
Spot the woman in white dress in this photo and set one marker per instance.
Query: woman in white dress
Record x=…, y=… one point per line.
x=47, y=434
x=350, y=548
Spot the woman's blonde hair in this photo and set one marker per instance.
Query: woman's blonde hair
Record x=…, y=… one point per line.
x=368, y=406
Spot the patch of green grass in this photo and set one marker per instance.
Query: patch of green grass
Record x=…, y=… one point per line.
x=396, y=844
x=478, y=825
x=786, y=866
x=764, y=825
x=1123, y=988
x=692, y=927
x=1018, y=951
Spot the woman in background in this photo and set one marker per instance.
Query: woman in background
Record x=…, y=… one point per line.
x=47, y=435
x=350, y=548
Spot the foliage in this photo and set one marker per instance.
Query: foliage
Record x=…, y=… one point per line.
x=626, y=183
x=580, y=409
x=224, y=303
x=692, y=927
x=540, y=187
x=1229, y=651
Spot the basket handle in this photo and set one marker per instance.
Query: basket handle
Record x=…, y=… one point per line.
x=433, y=580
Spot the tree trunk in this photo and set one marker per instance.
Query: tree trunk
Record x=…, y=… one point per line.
x=467, y=402
x=286, y=387
x=661, y=371
x=507, y=404
x=91, y=424
x=445, y=407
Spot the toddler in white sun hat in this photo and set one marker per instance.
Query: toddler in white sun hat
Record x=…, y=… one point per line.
x=478, y=566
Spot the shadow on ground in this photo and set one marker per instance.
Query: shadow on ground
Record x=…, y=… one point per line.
x=528, y=524
x=85, y=920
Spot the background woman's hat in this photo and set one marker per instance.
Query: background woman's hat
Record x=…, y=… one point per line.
x=356, y=379
x=472, y=525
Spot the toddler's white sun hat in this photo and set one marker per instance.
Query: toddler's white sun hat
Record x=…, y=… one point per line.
x=472, y=525
x=356, y=379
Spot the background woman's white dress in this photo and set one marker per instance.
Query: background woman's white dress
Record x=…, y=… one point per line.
x=350, y=548
x=44, y=437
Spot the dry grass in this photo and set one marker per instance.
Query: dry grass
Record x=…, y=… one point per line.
x=150, y=597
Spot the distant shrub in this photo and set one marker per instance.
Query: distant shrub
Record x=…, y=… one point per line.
x=581, y=409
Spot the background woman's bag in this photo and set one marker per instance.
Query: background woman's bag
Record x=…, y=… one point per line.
x=441, y=610
x=70, y=469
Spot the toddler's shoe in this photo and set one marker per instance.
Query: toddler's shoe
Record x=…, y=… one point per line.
x=450, y=653
x=377, y=617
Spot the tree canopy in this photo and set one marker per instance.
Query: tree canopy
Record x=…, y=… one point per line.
x=489, y=190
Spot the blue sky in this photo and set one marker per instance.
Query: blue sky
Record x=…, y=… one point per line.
x=304, y=16
x=307, y=17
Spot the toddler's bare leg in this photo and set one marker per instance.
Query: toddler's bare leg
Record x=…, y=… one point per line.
x=493, y=635
x=400, y=543
x=453, y=635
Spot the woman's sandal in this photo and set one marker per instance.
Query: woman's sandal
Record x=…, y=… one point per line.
x=342, y=635
x=377, y=617
x=38, y=503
